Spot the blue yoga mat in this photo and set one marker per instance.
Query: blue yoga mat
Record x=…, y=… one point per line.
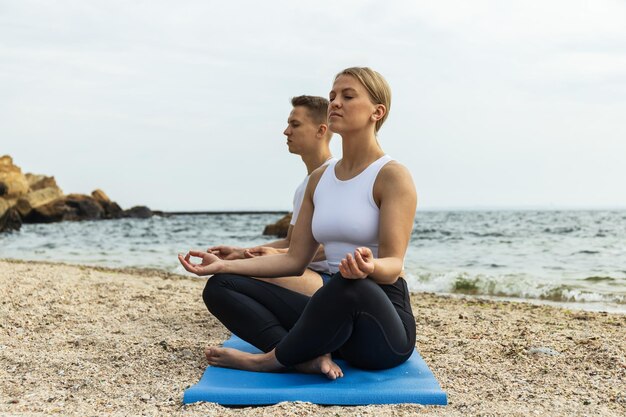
x=411, y=382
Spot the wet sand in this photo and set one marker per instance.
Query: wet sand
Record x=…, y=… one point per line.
x=82, y=341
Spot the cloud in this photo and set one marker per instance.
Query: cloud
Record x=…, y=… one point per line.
x=192, y=97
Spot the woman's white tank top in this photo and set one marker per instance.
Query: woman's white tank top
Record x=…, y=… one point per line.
x=346, y=216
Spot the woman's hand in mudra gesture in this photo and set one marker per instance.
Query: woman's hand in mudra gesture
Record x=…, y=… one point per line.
x=359, y=265
x=210, y=264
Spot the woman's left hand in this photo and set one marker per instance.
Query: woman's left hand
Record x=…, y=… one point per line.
x=358, y=266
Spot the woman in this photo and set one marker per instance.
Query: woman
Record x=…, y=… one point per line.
x=361, y=209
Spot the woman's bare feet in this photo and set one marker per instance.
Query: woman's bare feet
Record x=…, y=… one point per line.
x=267, y=362
x=321, y=365
x=236, y=359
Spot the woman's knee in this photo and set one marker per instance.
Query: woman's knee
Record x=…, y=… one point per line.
x=214, y=288
x=350, y=289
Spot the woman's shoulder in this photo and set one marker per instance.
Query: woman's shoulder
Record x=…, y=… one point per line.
x=394, y=171
x=394, y=179
x=316, y=175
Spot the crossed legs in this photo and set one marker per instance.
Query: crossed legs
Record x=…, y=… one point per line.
x=370, y=325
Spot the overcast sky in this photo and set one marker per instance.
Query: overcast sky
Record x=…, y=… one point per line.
x=181, y=105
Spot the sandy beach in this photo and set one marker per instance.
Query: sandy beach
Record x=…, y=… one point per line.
x=82, y=341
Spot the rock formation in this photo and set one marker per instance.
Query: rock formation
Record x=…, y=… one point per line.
x=26, y=203
x=15, y=183
x=32, y=198
x=279, y=228
x=9, y=217
x=111, y=209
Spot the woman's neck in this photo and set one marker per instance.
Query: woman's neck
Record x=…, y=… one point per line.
x=359, y=151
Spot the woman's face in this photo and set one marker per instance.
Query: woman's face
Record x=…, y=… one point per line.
x=350, y=106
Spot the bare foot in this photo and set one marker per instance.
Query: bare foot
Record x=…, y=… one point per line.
x=236, y=359
x=321, y=365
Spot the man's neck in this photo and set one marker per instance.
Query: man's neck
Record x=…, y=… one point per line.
x=315, y=161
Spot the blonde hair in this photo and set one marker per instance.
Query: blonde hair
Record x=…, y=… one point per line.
x=376, y=86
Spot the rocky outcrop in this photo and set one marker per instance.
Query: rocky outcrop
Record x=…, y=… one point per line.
x=35, y=199
x=14, y=182
x=39, y=182
x=9, y=217
x=138, y=212
x=32, y=198
x=111, y=209
x=73, y=207
x=279, y=228
x=10, y=220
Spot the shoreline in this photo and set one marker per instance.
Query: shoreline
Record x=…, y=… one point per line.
x=574, y=305
x=80, y=340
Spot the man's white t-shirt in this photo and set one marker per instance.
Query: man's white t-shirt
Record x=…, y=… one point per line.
x=298, y=196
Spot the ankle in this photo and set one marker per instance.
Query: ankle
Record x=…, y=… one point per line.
x=267, y=362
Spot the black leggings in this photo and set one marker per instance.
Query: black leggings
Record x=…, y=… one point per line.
x=369, y=325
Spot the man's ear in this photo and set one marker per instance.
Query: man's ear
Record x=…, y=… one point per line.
x=321, y=130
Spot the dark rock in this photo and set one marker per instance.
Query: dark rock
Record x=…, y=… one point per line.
x=87, y=208
x=112, y=210
x=3, y=189
x=280, y=228
x=52, y=212
x=138, y=212
x=10, y=220
x=74, y=207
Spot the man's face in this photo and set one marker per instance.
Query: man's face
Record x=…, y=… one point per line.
x=301, y=131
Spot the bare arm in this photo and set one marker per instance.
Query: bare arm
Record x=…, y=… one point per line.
x=228, y=252
x=302, y=248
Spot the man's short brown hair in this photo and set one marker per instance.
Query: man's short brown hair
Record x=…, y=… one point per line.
x=317, y=107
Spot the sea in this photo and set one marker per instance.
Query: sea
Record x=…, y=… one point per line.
x=575, y=259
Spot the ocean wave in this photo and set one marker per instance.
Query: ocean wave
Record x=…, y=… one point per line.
x=599, y=279
x=561, y=230
x=487, y=234
x=514, y=286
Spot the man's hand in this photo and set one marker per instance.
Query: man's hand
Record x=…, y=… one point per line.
x=227, y=253
x=263, y=251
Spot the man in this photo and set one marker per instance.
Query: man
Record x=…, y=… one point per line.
x=308, y=136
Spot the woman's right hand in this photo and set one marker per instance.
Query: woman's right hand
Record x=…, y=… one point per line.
x=209, y=265
x=359, y=266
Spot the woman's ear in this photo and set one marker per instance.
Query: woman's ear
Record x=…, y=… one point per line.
x=379, y=112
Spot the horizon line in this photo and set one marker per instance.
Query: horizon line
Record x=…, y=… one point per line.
x=442, y=208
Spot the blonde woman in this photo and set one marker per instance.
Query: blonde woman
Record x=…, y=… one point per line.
x=361, y=208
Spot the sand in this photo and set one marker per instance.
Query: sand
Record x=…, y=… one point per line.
x=83, y=341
